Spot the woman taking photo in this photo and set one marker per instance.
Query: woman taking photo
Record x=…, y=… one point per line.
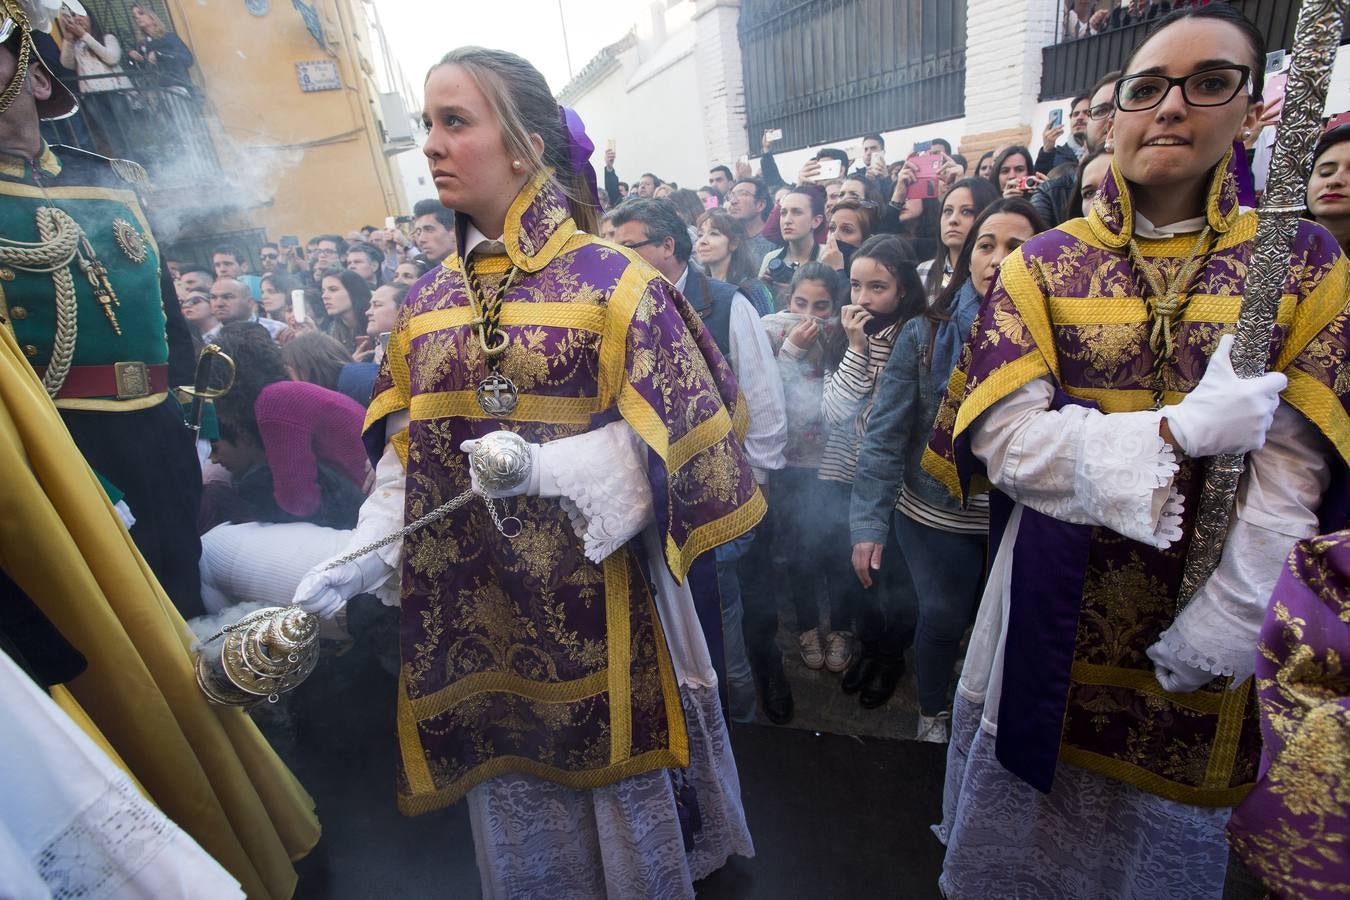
x=1329, y=186
x=346, y=297
x=1013, y=172
x=964, y=201
x=1121, y=717
x=558, y=677
x=943, y=544
x=720, y=247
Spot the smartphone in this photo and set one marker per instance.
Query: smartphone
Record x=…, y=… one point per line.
x=1056, y=118
x=298, y=305
x=610, y=145
x=290, y=240
x=390, y=223
x=403, y=220
x=830, y=169
x=923, y=146
x=384, y=341
x=710, y=203
x=773, y=134
x=928, y=165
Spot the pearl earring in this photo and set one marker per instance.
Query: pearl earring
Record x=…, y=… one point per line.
x=515, y=164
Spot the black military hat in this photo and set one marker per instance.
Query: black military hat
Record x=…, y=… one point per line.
x=18, y=19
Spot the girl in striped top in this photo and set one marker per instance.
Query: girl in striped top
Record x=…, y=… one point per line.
x=885, y=291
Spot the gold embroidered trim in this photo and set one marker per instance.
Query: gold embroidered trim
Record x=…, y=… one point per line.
x=714, y=534
x=740, y=422
x=623, y=303
x=1320, y=405
x=400, y=444
x=531, y=408
x=676, y=730
x=1213, y=308
x=580, y=316
x=418, y=803
x=705, y=434
x=1105, y=237
x=410, y=744
x=126, y=198
x=1222, y=757
x=512, y=237
x=1218, y=222
x=1000, y=383
x=619, y=641
x=1113, y=400
x=1026, y=296
x=439, y=702
x=389, y=401
x=944, y=471
x=1323, y=304
x=1149, y=781
x=1207, y=702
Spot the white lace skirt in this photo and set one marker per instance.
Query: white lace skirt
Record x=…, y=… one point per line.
x=1090, y=838
x=537, y=839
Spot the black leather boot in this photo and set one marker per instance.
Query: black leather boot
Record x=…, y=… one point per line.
x=775, y=691
x=860, y=673
x=882, y=684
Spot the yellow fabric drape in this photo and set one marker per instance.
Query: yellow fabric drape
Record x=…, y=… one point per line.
x=206, y=768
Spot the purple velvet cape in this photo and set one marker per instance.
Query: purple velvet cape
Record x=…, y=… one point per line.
x=1293, y=829
x=520, y=655
x=1085, y=602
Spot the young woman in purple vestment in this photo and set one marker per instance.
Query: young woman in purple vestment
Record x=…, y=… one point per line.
x=1101, y=736
x=554, y=672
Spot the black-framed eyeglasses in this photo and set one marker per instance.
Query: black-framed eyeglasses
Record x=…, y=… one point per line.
x=1211, y=87
x=271, y=256
x=640, y=244
x=1102, y=110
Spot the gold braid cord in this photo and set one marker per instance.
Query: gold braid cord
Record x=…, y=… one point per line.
x=15, y=11
x=1316, y=37
x=60, y=237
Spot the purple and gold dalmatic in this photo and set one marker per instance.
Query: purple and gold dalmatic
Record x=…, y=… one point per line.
x=1085, y=602
x=520, y=655
x=1293, y=829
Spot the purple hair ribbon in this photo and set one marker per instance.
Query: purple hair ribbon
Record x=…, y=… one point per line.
x=579, y=149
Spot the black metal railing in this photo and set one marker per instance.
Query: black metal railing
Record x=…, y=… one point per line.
x=162, y=127
x=1074, y=65
x=824, y=70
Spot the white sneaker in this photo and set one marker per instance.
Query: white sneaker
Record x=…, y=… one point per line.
x=838, y=651
x=935, y=729
x=812, y=655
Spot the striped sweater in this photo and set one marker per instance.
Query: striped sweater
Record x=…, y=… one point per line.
x=846, y=403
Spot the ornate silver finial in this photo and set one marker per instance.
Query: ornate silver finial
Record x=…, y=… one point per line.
x=501, y=461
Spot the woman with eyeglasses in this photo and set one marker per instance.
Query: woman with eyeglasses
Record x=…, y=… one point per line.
x=1102, y=731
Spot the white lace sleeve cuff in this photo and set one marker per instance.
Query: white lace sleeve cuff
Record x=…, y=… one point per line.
x=1123, y=477
x=600, y=479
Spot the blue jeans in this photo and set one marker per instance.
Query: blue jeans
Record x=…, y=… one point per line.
x=948, y=573
x=740, y=680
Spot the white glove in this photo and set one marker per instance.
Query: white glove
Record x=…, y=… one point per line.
x=1225, y=413
x=324, y=592
x=529, y=486
x=1174, y=674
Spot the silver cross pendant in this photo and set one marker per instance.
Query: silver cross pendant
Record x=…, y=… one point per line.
x=497, y=396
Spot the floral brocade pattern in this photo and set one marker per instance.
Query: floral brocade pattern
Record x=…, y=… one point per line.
x=1068, y=307
x=1293, y=830
x=521, y=655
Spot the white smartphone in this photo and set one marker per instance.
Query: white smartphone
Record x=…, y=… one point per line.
x=298, y=305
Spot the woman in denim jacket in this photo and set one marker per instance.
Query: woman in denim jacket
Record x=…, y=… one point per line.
x=944, y=545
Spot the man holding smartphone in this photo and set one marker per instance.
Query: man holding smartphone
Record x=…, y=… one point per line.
x=1053, y=154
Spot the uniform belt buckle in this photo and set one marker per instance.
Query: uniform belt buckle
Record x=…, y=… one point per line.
x=133, y=380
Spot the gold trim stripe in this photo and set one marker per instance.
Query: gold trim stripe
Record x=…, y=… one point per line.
x=562, y=233
x=676, y=730
x=1322, y=305
x=1145, y=780
x=438, y=702
x=1320, y=406
x=531, y=408
x=1026, y=296
x=944, y=471
x=1000, y=383
x=1222, y=757
x=1212, y=308
x=623, y=303
x=420, y=802
x=410, y=743
x=740, y=422
x=1207, y=702
x=705, y=434
x=581, y=316
x=389, y=401
x=714, y=534
x=1113, y=400
x=619, y=640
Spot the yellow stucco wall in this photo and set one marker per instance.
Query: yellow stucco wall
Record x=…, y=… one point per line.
x=299, y=163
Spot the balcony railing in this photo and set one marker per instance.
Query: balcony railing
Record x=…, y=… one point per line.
x=1075, y=65
x=163, y=127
